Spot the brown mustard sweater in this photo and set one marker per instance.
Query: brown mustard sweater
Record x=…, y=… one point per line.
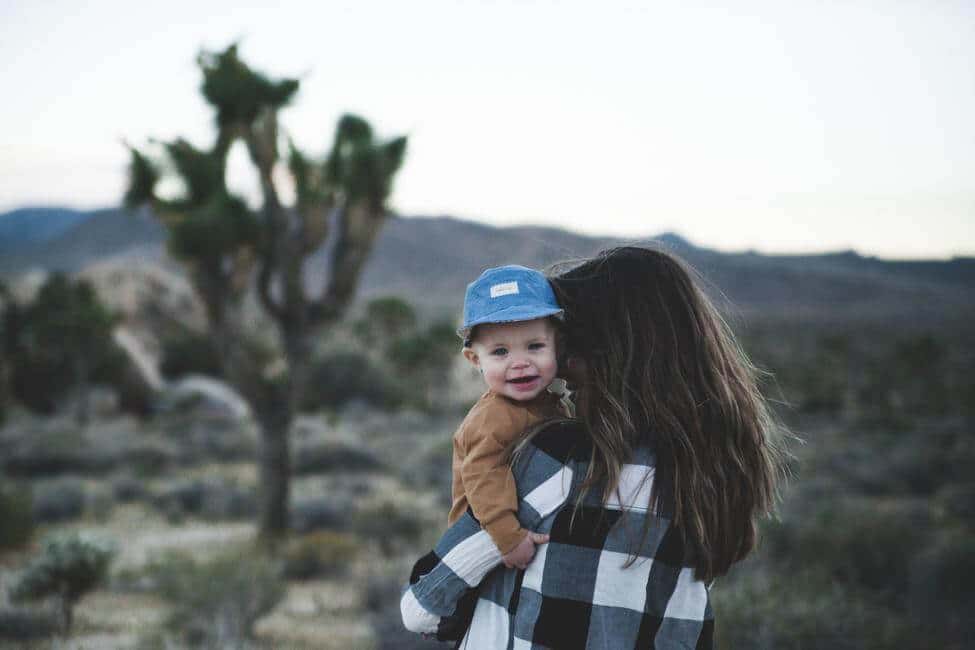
x=480, y=478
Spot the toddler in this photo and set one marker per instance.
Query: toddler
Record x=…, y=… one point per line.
x=509, y=336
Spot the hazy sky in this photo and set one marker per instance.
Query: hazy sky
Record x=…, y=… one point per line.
x=779, y=126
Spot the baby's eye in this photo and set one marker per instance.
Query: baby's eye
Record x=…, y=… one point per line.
x=536, y=346
x=499, y=352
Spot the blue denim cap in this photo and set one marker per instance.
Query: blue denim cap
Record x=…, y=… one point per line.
x=507, y=294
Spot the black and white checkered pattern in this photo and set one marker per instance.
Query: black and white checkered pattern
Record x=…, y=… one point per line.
x=578, y=591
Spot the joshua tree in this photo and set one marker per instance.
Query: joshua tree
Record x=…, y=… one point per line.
x=229, y=249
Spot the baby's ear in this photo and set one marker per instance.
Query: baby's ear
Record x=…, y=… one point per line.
x=471, y=356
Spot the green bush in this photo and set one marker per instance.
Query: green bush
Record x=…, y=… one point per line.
x=819, y=384
x=320, y=457
x=56, y=452
x=422, y=362
x=150, y=457
x=215, y=603
x=859, y=542
x=68, y=567
x=213, y=499
x=957, y=502
x=126, y=489
x=189, y=354
x=389, y=524
x=59, y=500
x=62, y=342
x=943, y=580
x=320, y=554
x=99, y=503
x=385, y=319
x=306, y=515
x=15, y=513
x=802, y=611
x=339, y=378
x=25, y=624
x=228, y=502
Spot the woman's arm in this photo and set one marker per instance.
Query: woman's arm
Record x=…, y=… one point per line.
x=465, y=552
x=460, y=560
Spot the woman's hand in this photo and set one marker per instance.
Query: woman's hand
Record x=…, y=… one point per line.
x=521, y=555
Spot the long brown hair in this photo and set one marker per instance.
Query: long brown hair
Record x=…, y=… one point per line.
x=663, y=368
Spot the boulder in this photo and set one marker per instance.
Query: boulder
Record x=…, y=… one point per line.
x=204, y=396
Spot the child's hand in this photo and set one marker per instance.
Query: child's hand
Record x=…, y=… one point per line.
x=521, y=555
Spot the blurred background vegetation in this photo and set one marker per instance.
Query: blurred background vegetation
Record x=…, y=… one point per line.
x=132, y=452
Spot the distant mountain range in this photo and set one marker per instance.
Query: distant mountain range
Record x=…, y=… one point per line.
x=429, y=261
x=30, y=226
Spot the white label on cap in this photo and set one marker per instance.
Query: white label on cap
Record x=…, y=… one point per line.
x=499, y=290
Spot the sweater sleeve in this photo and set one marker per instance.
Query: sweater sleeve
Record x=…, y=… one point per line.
x=488, y=482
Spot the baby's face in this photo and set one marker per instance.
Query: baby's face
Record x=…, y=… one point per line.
x=517, y=359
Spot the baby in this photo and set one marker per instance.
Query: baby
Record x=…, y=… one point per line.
x=509, y=336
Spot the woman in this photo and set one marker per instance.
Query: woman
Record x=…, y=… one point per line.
x=648, y=495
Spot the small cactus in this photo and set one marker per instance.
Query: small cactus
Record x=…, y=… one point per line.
x=69, y=566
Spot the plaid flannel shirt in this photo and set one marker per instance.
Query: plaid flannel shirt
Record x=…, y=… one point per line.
x=577, y=591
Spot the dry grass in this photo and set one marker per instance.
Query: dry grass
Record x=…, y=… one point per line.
x=327, y=613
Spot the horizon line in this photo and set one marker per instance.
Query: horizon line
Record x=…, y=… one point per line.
x=755, y=250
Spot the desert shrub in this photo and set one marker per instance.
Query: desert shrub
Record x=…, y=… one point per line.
x=802, y=611
x=62, y=342
x=25, y=624
x=381, y=590
x=389, y=523
x=181, y=498
x=422, y=362
x=916, y=368
x=341, y=377
x=149, y=457
x=99, y=503
x=924, y=461
x=128, y=488
x=859, y=542
x=311, y=514
x=189, y=353
x=916, y=462
x=59, y=500
x=202, y=436
x=429, y=467
x=210, y=499
x=57, y=452
x=943, y=583
x=957, y=502
x=223, y=501
x=319, y=457
x=225, y=444
x=16, y=514
x=215, y=603
x=386, y=318
x=320, y=554
x=68, y=567
x=818, y=383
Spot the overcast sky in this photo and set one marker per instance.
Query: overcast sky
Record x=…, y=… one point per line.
x=778, y=126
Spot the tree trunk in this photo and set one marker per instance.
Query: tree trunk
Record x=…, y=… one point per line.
x=82, y=386
x=276, y=419
x=275, y=472
x=66, y=610
x=4, y=387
